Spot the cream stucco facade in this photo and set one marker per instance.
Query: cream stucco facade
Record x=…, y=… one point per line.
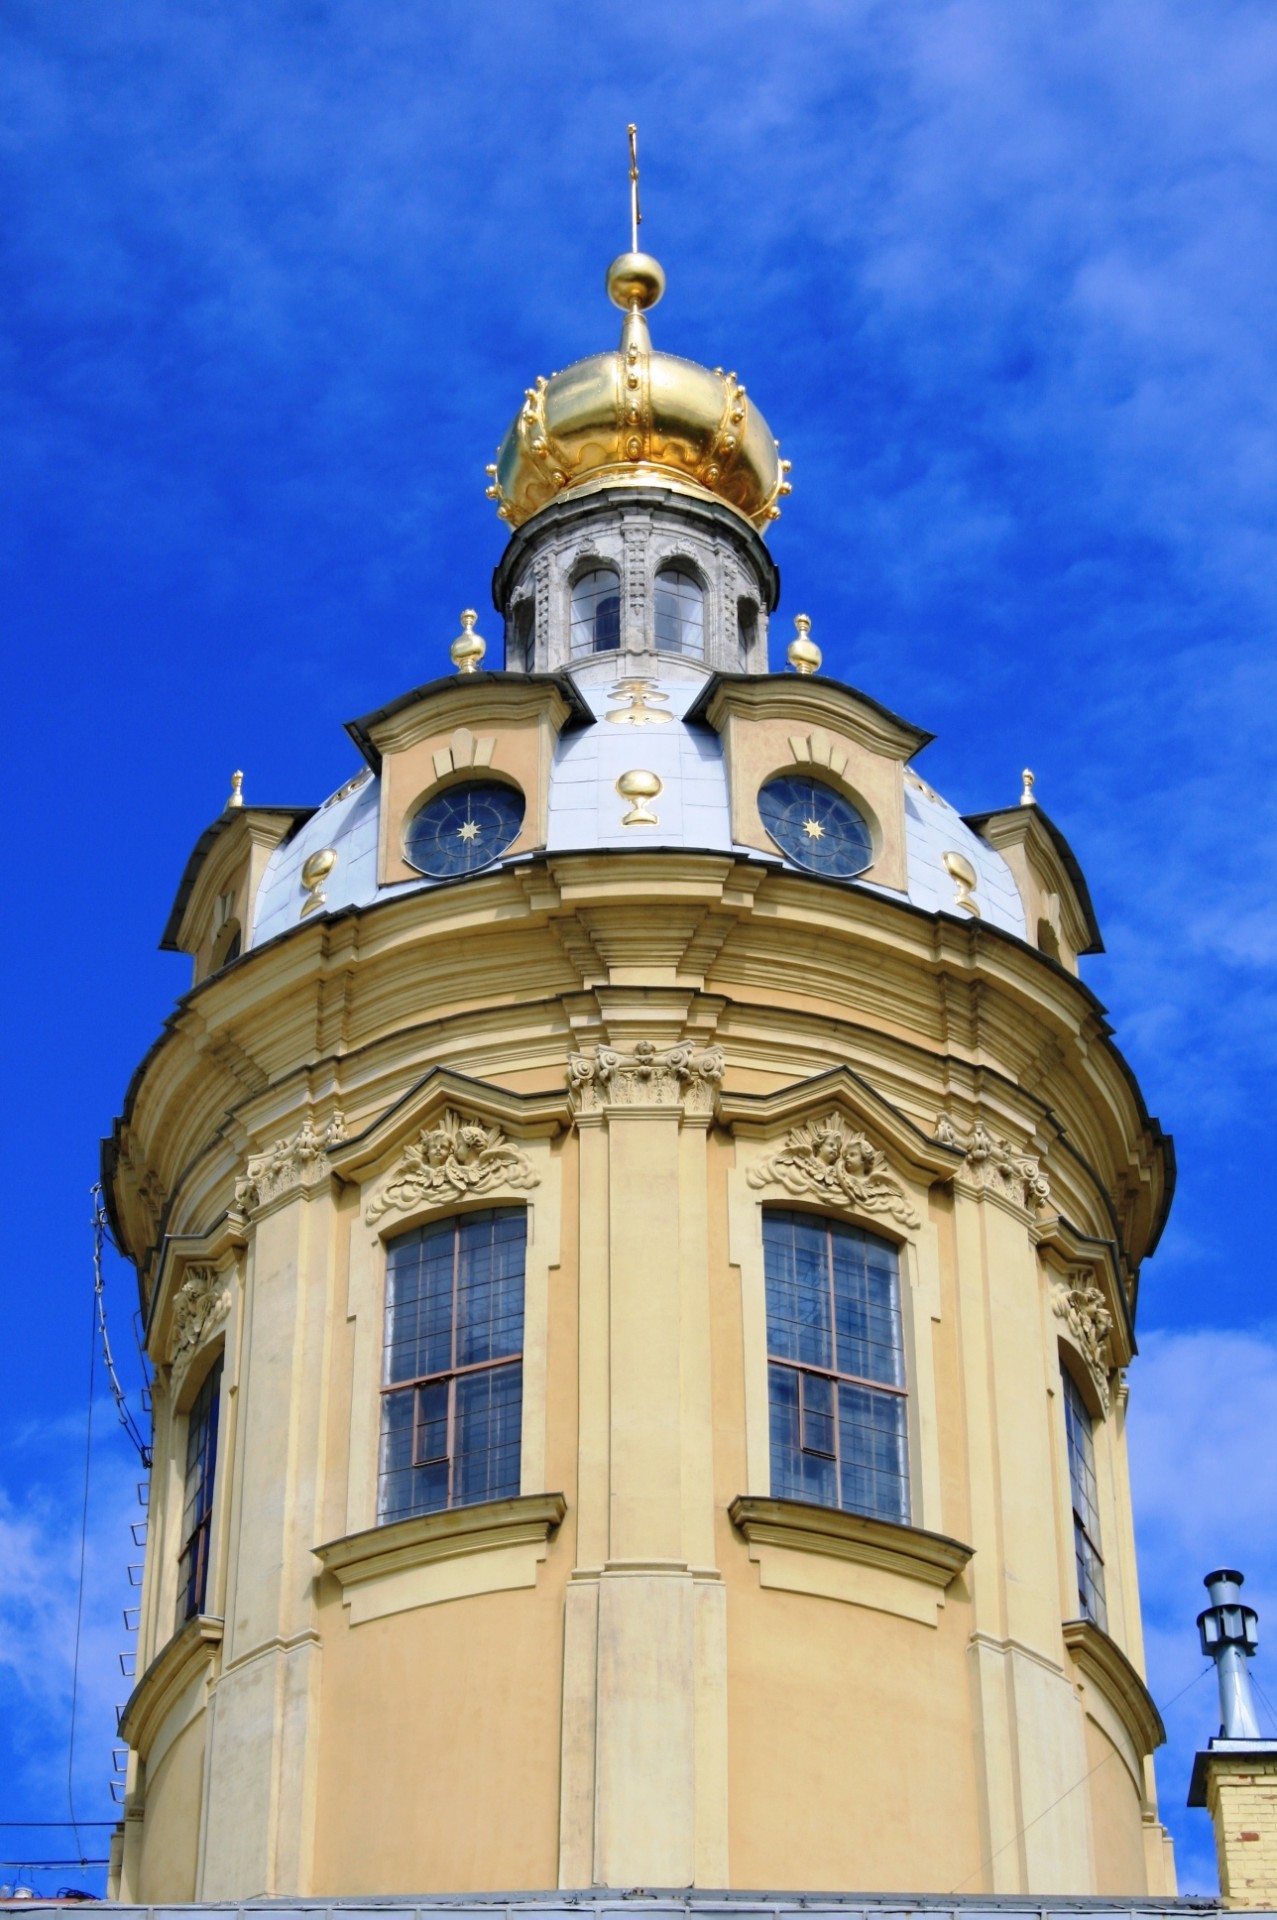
x=641, y=1668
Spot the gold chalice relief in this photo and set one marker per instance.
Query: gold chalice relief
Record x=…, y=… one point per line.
x=638, y=713
x=960, y=869
x=315, y=870
x=639, y=787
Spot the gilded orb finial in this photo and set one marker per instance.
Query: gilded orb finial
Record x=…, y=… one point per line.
x=804, y=655
x=469, y=647
x=237, y=790
x=1028, y=798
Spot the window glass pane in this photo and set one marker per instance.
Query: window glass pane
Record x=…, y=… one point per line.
x=799, y=1303
x=490, y=1287
x=1085, y=1495
x=796, y=1475
x=596, y=612
x=679, y=612
x=197, y=1495
x=489, y=1411
x=454, y=1307
x=834, y=1332
x=874, y=1461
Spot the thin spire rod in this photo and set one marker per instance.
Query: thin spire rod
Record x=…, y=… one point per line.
x=636, y=218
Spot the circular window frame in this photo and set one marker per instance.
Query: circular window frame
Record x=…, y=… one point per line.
x=803, y=776
x=462, y=779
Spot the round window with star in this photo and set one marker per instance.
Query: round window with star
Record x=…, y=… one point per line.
x=463, y=828
x=816, y=827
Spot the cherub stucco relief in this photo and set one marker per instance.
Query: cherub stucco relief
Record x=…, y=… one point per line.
x=826, y=1160
x=458, y=1156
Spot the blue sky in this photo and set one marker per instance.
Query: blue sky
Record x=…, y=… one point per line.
x=1001, y=273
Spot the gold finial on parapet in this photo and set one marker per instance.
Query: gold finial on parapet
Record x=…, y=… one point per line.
x=1028, y=798
x=237, y=790
x=804, y=655
x=634, y=280
x=469, y=647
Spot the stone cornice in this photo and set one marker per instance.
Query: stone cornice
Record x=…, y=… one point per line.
x=938, y=1010
x=523, y=1519
x=804, y=702
x=930, y=1557
x=1102, y=1662
x=472, y=700
x=191, y=1650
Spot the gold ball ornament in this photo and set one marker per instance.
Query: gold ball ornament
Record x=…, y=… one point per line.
x=635, y=281
x=804, y=655
x=469, y=647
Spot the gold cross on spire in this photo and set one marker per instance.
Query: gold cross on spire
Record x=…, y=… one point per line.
x=636, y=218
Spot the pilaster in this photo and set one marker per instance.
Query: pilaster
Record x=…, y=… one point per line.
x=643, y=1795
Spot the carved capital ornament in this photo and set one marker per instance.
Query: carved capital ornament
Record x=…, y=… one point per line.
x=680, y=1076
x=998, y=1167
x=299, y=1159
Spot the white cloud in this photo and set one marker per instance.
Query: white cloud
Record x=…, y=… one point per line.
x=1203, y=1437
x=40, y=1515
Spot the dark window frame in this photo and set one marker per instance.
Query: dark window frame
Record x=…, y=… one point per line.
x=199, y=1492
x=418, y=1387
x=819, y=1413
x=1084, y=1498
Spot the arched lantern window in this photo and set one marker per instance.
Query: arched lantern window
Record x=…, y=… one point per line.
x=596, y=612
x=680, y=612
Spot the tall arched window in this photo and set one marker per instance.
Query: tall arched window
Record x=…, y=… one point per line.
x=1085, y=1496
x=836, y=1366
x=452, y=1394
x=680, y=612
x=197, y=1496
x=596, y=612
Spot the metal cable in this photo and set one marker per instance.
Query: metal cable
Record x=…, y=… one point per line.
x=990, y=1858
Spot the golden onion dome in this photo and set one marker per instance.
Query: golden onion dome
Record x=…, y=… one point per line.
x=638, y=418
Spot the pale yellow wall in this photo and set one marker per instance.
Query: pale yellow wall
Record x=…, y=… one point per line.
x=839, y=1716
x=439, y=1743
x=1116, y=1813
x=167, y=1858
x=638, y=1687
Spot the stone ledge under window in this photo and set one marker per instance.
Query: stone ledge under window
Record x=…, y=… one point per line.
x=1104, y=1664
x=799, y=1548
x=487, y=1548
x=189, y=1653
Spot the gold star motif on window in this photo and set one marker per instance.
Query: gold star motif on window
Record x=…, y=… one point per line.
x=469, y=830
x=813, y=830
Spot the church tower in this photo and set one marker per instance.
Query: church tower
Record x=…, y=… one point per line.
x=638, y=1222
